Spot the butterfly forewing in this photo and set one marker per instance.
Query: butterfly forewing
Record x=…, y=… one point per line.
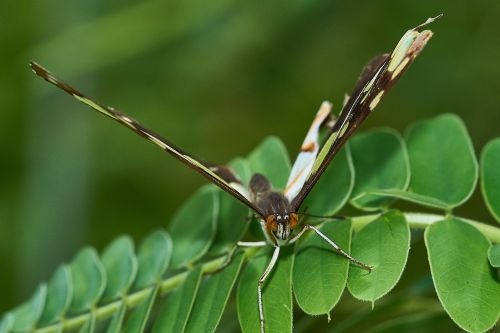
x=219, y=175
x=375, y=80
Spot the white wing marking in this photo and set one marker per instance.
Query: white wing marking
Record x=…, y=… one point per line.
x=309, y=149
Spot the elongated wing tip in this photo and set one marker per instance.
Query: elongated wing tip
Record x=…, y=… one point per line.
x=37, y=69
x=428, y=21
x=51, y=78
x=43, y=73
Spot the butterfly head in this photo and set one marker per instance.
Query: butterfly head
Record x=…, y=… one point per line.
x=281, y=225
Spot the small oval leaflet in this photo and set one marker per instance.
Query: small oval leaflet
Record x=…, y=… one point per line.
x=466, y=284
x=384, y=243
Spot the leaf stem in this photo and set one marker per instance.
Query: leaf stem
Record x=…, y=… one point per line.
x=415, y=220
x=423, y=220
x=134, y=299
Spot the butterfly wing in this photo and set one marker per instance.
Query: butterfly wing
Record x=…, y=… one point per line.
x=308, y=151
x=221, y=176
x=374, y=82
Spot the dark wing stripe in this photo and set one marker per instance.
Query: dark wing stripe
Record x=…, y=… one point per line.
x=374, y=82
x=220, y=176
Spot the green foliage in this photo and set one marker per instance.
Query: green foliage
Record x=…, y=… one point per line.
x=59, y=294
x=213, y=296
x=320, y=275
x=494, y=255
x=277, y=290
x=140, y=315
x=177, y=307
x=385, y=149
x=194, y=226
x=490, y=177
x=182, y=284
x=384, y=243
x=231, y=210
x=89, y=280
x=153, y=257
x=442, y=159
x=466, y=284
x=337, y=182
x=270, y=158
x=6, y=323
x=26, y=315
x=120, y=264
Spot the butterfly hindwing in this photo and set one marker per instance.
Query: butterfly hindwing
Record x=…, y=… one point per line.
x=308, y=151
x=374, y=82
x=221, y=176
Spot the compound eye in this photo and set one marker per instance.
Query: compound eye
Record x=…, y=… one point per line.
x=278, y=218
x=271, y=223
x=287, y=217
x=293, y=220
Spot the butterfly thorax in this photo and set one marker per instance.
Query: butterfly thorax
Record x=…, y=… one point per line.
x=279, y=218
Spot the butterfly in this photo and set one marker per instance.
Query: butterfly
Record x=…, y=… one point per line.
x=278, y=211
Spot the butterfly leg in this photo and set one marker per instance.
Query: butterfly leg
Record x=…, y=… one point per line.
x=233, y=250
x=262, y=279
x=329, y=241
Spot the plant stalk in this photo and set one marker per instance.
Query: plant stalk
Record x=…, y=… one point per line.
x=415, y=220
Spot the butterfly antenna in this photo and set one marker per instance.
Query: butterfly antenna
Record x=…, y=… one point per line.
x=331, y=217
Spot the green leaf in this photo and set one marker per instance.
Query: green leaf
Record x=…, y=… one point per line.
x=412, y=197
x=490, y=177
x=242, y=168
x=115, y=326
x=120, y=264
x=494, y=255
x=60, y=291
x=194, y=226
x=232, y=220
x=138, y=319
x=6, y=323
x=89, y=280
x=89, y=325
x=380, y=162
x=277, y=296
x=271, y=159
x=212, y=298
x=466, y=284
x=442, y=159
x=177, y=307
x=26, y=315
x=334, y=187
x=319, y=272
x=153, y=258
x=232, y=223
x=383, y=244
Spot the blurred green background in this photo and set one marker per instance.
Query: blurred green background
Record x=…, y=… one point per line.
x=215, y=77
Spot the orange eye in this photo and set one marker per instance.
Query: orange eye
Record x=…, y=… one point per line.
x=271, y=223
x=293, y=220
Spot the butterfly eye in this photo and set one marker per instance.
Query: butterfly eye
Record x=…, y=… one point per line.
x=293, y=220
x=271, y=223
x=278, y=218
x=287, y=217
